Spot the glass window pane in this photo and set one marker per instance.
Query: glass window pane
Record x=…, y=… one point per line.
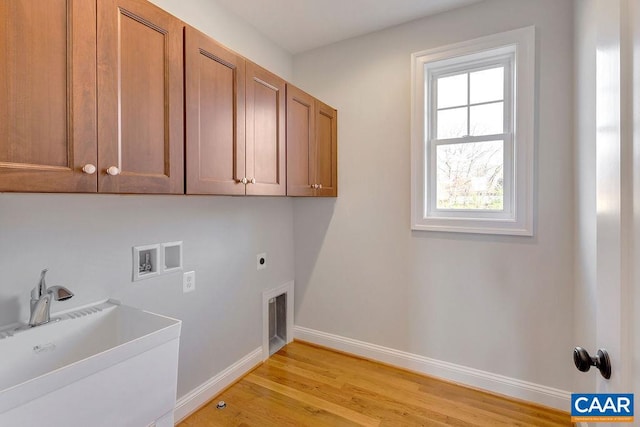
x=487, y=119
x=452, y=91
x=470, y=175
x=452, y=123
x=487, y=85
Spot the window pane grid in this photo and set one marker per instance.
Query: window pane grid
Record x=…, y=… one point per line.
x=469, y=151
x=470, y=174
x=448, y=109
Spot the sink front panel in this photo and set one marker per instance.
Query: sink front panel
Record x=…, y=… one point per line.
x=135, y=393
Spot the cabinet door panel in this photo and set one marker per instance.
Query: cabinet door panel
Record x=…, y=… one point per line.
x=214, y=117
x=265, y=137
x=300, y=142
x=40, y=150
x=326, y=150
x=140, y=89
x=142, y=94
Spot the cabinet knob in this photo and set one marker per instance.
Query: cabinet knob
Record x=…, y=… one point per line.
x=314, y=186
x=89, y=169
x=320, y=186
x=253, y=180
x=244, y=180
x=113, y=171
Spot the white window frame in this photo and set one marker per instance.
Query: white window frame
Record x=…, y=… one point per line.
x=516, y=50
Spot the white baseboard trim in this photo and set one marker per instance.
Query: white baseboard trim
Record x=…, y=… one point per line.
x=501, y=384
x=193, y=400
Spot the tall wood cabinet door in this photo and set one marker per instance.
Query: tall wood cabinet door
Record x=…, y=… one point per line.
x=47, y=95
x=215, y=117
x=265, y=132
x=326, y=150
x=301, y=119
x=140, y=98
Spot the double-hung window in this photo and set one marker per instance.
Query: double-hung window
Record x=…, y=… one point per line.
x=472, y=149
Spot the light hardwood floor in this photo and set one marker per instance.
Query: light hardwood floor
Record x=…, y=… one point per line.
x=305, y=385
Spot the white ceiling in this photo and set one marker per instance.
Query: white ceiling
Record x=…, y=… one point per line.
x=301, y=25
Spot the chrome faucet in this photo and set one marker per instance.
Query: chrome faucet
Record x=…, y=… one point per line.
x=41, y=297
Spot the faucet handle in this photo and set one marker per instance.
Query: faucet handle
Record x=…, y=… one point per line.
x=41, y=288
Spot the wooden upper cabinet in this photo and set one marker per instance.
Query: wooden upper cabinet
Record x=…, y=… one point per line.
x=101, y=95
x=140, y=87
x=47, y=95
x=301, y=170
x=235, y=122
x=214, y=116
x=326, y=150
x=312, y=155
x=265, y=166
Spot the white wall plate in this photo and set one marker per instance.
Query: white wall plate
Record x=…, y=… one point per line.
x=172, y=256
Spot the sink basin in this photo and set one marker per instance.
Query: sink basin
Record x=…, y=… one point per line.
x=106, y=364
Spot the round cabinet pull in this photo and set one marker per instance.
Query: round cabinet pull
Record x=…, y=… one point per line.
x=253, y=180
x=244, y=180
x=113, y=171
x=89, y=169
x=314, y=186
x=320, y=186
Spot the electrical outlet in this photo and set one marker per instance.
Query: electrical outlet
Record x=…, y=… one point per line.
x=261, y=261
x=189, y=281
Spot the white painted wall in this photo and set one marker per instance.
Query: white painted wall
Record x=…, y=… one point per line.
x=227, y=28
x=499, y=304
x=86, y=240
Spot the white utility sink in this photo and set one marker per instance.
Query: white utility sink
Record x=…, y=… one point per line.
x=103, y=365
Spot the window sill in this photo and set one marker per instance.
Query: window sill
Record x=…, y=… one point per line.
x=475, y=226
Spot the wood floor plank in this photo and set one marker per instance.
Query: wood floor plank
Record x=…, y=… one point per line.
x=529, y=413
x=396, y=411
x=306, y=385
x=291, y=411
x=456, y=409
x=309, y=399
x=322, y=377
x=385, y=383
x=344, y=396
x=354, y=366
